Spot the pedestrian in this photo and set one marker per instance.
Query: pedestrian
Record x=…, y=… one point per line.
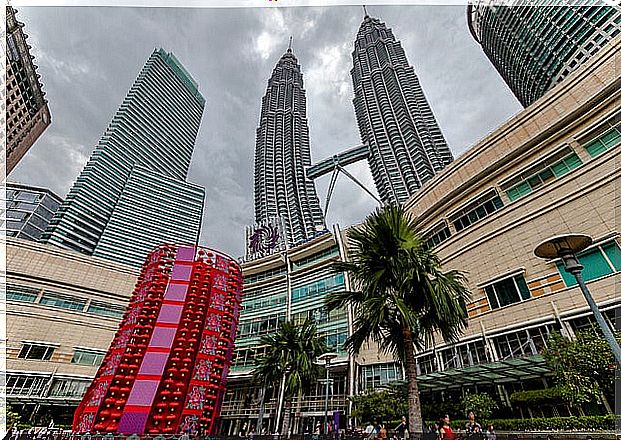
x=382, y=432
x=251, y=433
x=490, y=434
x=402, y=427
x=317, y=431
x=445, y=431
x=471, y=425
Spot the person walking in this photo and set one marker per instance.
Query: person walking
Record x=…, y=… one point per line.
x=382, y=432
x=490, y=434
x=445, y=431
x=472, y=427
x=402, y=428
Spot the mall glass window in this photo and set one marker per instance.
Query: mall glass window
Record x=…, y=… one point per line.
x=604, y=142
x=62, y=301
x=36, y=351
x=105, y=309
x=477, y=210
x=598, y=261
x=87, y=357
x=522, y=342
x=377, y=375
x=16, y=292
x=508, y=291
x=73, y=388
x=318, y=287
x=18, y=385
x=543, y=174
x=437, y=234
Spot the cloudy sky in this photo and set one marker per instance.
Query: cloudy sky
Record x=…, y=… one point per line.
x=88, y=58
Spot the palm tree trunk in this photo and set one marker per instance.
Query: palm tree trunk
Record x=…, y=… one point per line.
x=286, y=418
x=414, y=409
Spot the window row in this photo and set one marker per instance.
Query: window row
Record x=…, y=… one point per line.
x=15, y=292
x=261, y=326
x=44, y=352
x=330, y=252
x=318, y=287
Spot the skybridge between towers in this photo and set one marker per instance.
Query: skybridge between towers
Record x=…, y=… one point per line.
x=335, y=165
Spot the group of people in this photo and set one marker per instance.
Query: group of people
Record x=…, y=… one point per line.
x=440, y=431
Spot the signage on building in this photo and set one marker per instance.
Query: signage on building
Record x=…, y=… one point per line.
x=265, y=239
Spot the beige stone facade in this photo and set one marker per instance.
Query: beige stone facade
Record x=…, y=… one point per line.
x=551, y=169
x=62, y=311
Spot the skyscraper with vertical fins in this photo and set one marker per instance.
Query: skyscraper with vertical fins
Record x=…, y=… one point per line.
x=132, y=194
x=281, y=189
x=395, y=120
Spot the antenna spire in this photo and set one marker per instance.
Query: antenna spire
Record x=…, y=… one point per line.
x=366, y=14
x=290, y=42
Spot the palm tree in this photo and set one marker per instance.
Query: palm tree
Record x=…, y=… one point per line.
x=401, y=295
x=290, y=356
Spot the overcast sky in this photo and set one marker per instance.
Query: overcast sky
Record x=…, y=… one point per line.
x=88, y=58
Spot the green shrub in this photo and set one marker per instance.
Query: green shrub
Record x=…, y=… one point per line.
x=545, y=395
x=585, y=423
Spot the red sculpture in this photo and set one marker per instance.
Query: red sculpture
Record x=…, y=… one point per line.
x=166, y=369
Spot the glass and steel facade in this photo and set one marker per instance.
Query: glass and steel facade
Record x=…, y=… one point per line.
x=29, y=210
x=534, y=48
x=282, y=153
x=132, y=194
x=406, y=146
x=291, y=286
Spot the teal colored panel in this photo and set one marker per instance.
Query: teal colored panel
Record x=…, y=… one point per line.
x=559, y=169
x=595, y=266
x=524, y=292
x=513, y=194
x=572, y=161
x=614, y=254
x=595, y=148
x=611, y=138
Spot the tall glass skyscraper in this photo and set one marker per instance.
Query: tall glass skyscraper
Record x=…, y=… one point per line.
x=281, y=189
x=406, y=145
x=132, y=195
x=534, y=48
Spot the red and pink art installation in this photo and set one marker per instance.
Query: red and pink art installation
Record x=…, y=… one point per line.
x=165, y=371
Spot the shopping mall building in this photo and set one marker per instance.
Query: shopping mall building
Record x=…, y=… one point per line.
x=548, y=170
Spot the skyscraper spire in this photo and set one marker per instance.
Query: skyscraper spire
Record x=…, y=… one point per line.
x=290, y=42
x=281, y=189
x=366, y=14
x=395, y=120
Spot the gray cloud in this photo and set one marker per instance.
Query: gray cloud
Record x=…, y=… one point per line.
x=89, y=57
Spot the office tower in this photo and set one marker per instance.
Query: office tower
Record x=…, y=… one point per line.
x=27, y=114
x=281, y=190
x=165, y=371
x=534, y=48
x=406, y=146
x=29, y=209
x=132, y=193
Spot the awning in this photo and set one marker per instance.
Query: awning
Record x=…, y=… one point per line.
x=510, y=370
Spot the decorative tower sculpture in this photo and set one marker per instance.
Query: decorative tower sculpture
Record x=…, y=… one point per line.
x=166, y=369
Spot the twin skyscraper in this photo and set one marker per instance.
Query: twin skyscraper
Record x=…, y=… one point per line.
x=406, y=147
x=132, y=194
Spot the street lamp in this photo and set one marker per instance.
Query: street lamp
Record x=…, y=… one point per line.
x=565, y=247
x=326, y=358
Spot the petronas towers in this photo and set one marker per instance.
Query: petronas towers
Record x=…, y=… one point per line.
x=406, y=146
x=281, y=190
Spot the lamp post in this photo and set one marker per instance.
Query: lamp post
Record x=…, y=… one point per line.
x=565, y=247
x=281, y=399
x=326, y=358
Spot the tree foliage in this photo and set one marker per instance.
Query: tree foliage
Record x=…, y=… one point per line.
x=294, y=350
x=381, y=405
x=583, y=368
x=402, y=297
x=482, y=405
